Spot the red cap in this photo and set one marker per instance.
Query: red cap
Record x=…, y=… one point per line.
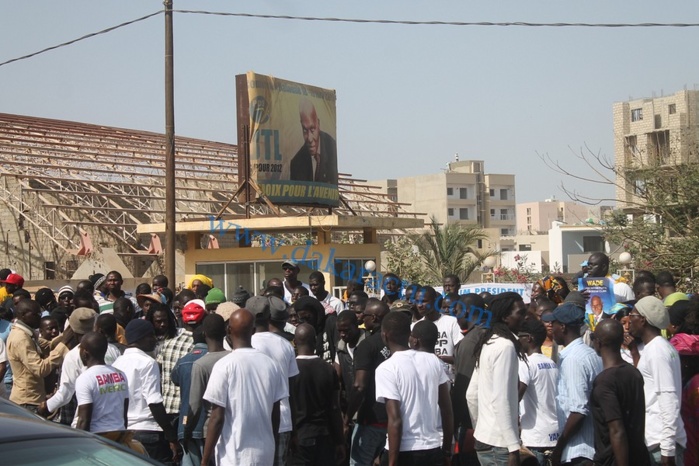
x=14, y=279
x=193, y=312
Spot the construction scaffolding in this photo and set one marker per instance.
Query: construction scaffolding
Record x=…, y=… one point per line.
x=71, y=188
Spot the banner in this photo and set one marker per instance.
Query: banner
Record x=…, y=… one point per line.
x=293, y=148
x=524, y=289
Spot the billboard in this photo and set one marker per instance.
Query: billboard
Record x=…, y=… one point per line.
x=290, y=129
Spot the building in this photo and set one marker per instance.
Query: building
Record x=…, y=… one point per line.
x=73, y=191
x=537, y=217
x=463, y=193
x=571, y=245
x=653, y=134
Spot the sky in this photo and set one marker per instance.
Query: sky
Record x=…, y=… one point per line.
x=408, y=97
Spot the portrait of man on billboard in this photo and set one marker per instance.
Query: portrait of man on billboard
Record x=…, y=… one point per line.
x=316, y=160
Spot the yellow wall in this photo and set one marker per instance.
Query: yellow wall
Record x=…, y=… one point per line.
x=325, y=254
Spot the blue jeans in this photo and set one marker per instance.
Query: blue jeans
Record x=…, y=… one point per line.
x=192, y=457
x=367, y=443
x=679, y=455
x=494, y=456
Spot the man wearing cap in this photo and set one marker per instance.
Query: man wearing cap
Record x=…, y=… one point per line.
x=25, y=356
x=291, y=281
x=660, y=367
x=578, y=367
x=13, y=282
x=182, y=376
x=81, y=322
x=280, y=350
x=146, y=415
x=65, y=298
x=193, y=314
x=214, y=297
x=46, y=299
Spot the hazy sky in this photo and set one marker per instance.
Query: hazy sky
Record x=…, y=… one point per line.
x=409, y=97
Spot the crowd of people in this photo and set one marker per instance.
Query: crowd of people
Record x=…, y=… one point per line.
x=411, y=376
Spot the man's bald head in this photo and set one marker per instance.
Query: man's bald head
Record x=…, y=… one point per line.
x=610, y=333
x=94, y=344
x=305, y=335
x=241, y=324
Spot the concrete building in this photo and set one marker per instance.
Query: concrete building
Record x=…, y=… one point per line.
x=463, y=193
x=537, y=217
x=653, y=134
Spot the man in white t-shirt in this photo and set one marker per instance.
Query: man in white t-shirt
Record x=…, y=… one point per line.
x=102, y=391
x=280, y=350
x=146, y=416
x=448, y=327
x=245, y=389
x=316, y=281
x=81, y=321
x=291, y=281
x=660, y=367
x=415, y=389
x=538, y=377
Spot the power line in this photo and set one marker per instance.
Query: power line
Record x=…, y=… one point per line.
x=93, y=34
x=442, y=23
x=364, y=21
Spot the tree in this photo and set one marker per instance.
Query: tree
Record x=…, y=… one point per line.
x=448, y=249
x=657, y=190
x=403, y=259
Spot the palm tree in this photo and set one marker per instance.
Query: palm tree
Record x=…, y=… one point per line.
x=449, y=249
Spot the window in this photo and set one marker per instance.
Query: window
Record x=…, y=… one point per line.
x=639, y=187
x=503, y=214
x=529, y=210
x=593, y=244
x=49, y=270
x=525, y=247
x=463, y=193
x=631, y=148
x=658, y=121
x=672, y=109
x=503, y=194
x=492, y=192
x=450, y=212
x=637, y=114
x=505, y=232
x=450, y=191
x=479, y=244
x=492, y=213
x=463, y=214
x=660, y=146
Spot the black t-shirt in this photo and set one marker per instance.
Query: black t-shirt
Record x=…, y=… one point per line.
x=617, y=393
x=367, y=357
x=464, y=365
x=313, y=390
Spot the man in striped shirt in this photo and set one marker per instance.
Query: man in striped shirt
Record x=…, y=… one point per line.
x=578, y=367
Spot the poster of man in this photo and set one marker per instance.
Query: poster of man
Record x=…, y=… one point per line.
x=316, y=160
x=601, y=292
x=293, y=149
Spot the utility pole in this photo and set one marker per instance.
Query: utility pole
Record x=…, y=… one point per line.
x=170, y=221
